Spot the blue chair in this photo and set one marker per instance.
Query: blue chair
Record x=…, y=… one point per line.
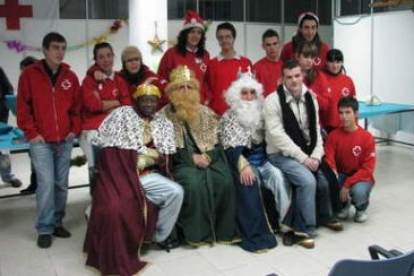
x=394, y=264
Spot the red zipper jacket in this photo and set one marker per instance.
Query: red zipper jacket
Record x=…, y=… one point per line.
x=95, y=92
x=51, y=111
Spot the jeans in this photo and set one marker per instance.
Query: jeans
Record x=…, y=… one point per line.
x=51, y=162
x=168, y=196
x=273, y=179
x=5, y=168
x=90, y=151
x=359, y=192
x=308, y=190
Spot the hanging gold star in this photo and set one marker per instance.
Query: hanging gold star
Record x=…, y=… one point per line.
x=156, y=43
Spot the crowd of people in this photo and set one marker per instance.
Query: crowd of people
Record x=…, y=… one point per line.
x=186, y=155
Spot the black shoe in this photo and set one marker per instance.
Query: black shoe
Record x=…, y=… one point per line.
x=16, y=183
x=291, y=238
x=61, y=232
x=169, y=243
x=29, y=190
x=44, y=240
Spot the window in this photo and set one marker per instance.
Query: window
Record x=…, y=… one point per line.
x=178, y=8
x=353, y=7
x=264, y=11
x=221, y=10
x=97, y=9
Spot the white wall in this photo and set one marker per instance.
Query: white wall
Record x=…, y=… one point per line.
x=392, y=50
x=388, y=58
x=75, y=33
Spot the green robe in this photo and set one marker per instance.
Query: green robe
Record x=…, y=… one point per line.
x=208, y=211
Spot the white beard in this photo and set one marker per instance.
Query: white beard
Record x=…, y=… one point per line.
x=249, y=115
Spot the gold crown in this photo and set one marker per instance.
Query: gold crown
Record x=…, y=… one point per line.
x=147, y=90
x=181, y=74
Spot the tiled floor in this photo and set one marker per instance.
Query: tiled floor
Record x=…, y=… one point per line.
x=390, y=224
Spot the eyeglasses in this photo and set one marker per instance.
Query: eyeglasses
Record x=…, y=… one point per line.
x=133, y=59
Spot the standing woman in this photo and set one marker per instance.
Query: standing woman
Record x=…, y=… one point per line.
x=190, y=51
x=102, y=91
x=135, y=72
x=314, y=79
x=307, y=32
x=340, y=85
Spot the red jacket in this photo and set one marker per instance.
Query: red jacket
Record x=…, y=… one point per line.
x=172, y=59
x=340, y=86
x=220, y=74
x=156, y=80
x=351, y=153
x=320, y=87
x=320, y=62
x=95, y=92
x=268, y=73
x=52, y=112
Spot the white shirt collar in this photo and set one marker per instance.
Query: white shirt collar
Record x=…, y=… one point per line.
x=192, y=51
x=289, y=96
x=220, y=57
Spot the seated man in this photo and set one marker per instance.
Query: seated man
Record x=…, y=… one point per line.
x=350, y=152
x=242, y=136
x=294, y=145
x=200, y=166
x=118, y=196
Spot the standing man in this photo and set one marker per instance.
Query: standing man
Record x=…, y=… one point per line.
x=294, y=145
x=5, y=165
x=268, y=70
x=223, y=69
x=307, y=32
x=350, y=152
x=48, y=113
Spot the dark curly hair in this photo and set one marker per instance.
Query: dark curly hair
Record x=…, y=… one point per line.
x=182, y=42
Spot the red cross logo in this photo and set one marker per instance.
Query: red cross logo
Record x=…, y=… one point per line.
x=66, y=84
x=357, y=151
x=12, y=11
x=345, y=91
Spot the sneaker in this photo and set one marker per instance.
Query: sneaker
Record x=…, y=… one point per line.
x=88, y=212
x=44, y=240
x=344, y=213
x=16, y=183
x=334, y=225
x=61, y=232
x=360, y=216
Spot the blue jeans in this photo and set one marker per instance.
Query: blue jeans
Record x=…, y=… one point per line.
x=168, y=196
x=273, y=179
x=359, y=192
x=5, y=168
x=51, y=162
x=308, y=190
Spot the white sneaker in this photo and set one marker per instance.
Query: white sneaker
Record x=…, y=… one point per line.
x=344, y=213
x=88, y=212
x=360, y=216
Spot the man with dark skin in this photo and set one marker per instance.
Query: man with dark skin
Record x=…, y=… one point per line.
x=152, y=135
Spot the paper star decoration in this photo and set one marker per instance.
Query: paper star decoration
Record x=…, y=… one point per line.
x=156, y=43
